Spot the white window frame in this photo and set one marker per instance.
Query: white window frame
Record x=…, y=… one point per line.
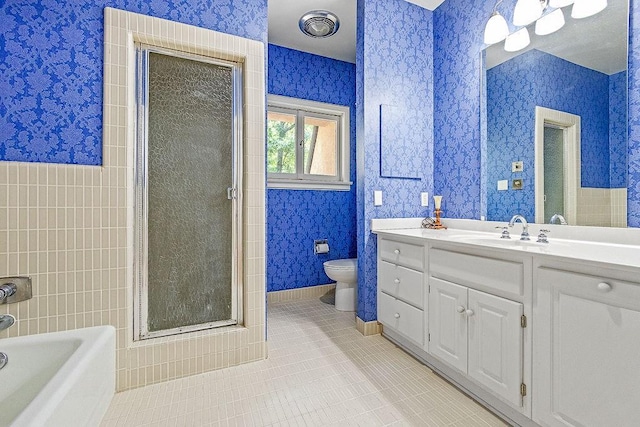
x=305, y=108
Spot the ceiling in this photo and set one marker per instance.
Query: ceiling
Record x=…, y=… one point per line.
x=285, y=14
x=598, y=42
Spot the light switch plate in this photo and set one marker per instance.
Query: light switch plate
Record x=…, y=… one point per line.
x=503, y=185
x=377, y=198
x=424, y=199
x=517, y=166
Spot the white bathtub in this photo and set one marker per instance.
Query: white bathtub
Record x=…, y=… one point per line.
x=58, y=379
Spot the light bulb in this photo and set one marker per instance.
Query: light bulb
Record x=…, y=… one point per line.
x=550, y=23
x=559, y=3
x=526, y=11
x=496, y=29
x=585, y=8
x=517, y=41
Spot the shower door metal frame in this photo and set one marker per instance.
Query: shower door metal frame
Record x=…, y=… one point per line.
x=141, y=206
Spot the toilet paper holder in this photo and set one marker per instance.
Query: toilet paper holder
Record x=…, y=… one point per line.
x=320, y=246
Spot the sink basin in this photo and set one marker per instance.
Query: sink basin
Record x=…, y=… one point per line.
x=59, y=378
x=497, y=241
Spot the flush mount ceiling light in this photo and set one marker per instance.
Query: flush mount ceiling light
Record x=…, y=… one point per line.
x=517, y=41
x=496, y=29
x=527, y=11
x=584, y=8
x=319, y=24
x=550, y=23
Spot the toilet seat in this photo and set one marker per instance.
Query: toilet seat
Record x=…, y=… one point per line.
x=342, y=264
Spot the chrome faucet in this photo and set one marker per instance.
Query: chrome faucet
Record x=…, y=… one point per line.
x=7, y=290
x=6, y=321
x=525, y=226
x=559, y=218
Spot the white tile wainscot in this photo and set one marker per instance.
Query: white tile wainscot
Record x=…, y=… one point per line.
x=471, y=303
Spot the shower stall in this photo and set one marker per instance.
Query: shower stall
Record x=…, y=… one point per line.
x=188, y=198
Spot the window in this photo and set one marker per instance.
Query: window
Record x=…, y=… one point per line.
x=307, y=144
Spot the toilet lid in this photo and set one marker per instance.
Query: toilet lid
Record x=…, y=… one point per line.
x=342, y=264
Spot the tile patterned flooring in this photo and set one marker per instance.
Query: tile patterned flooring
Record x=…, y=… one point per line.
x=320, y=372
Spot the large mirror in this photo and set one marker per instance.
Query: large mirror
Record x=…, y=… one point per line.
x=555, y=131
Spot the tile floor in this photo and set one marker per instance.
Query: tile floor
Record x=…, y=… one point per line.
x=320, y=371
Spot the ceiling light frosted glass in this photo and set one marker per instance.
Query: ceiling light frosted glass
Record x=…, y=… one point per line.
x=585, y=8
x=526, y=11
x=517, y=41
x=559, y=3
x=550, y=23
x=496, y=29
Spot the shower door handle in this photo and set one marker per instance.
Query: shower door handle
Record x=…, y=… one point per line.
x=232, y=193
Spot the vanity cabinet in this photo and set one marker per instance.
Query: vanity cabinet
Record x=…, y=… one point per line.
x=474, y=331
x=401, y=288
x=586, y=347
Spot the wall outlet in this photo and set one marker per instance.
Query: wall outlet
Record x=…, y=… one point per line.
x=517, y=166
x=377, y=198
x=424, y=199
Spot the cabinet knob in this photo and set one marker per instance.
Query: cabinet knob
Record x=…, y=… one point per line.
x=396, y=281
x=397, y=315
x=397, y=252
x=469, y=312
x=460, y=309
x=604, y=287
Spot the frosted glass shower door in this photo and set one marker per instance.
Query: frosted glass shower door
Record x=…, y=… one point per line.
x=188, y=184
x=553, y=172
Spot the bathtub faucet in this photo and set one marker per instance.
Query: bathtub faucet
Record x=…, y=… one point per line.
x=7, y=290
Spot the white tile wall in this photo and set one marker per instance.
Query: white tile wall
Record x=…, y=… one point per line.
x=70, y=227
x=602, y=207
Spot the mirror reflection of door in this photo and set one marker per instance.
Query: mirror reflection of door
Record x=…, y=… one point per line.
x=553, y=171
x=557, y=164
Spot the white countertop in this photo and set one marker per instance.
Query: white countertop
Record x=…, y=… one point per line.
x=621, y=255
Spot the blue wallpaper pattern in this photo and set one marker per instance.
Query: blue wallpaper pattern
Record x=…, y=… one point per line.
x=51, y=55
x=295, y=218
x=394, y=66
x=633, y=193
x=514, y=89
x=618, y=129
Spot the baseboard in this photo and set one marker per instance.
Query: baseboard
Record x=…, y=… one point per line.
x=368, y=328
x=308, y=292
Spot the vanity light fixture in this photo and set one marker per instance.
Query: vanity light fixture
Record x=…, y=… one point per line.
x=584, y=8
x=550, y=23
x=496, y=29
x=527, y=11
x=517, y=41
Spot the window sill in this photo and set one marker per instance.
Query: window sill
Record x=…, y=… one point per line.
x=298, y=184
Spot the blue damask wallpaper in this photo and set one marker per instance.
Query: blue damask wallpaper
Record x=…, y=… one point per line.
x=618, y=129
x=394, y=66
x=51, y=66
x=514, y=89
x=295, y=218
x=633, y=194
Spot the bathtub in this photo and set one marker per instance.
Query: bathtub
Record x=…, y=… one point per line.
x=58, y=379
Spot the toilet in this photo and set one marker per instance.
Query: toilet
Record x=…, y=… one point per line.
x=345, y=273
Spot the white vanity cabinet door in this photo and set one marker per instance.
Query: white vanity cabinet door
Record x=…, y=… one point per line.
x=586, y=350
x=495, y=344
x=448, y=323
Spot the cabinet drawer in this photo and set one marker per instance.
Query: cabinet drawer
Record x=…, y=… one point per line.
x=596, y=288
x=401, y=253
x=400, y=316
x=402, y=283
x=476, y=271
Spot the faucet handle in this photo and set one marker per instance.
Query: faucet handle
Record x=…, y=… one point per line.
x=505, y=232
x=542, y=237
